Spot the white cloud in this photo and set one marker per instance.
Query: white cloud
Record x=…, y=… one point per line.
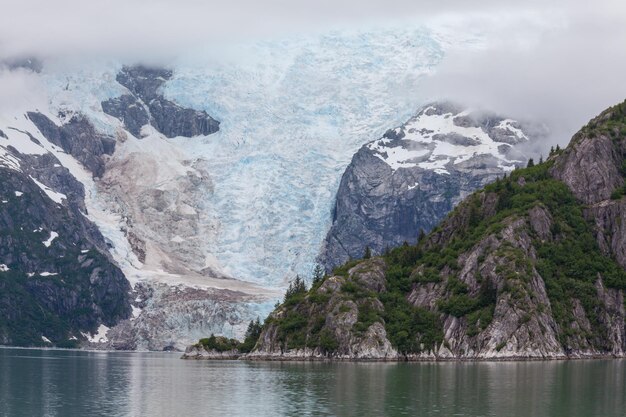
x=560, y=61
x=21, y=89
x=563, y=72
x=134, y=27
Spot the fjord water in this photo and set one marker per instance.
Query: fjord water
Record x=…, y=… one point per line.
x=72, y=383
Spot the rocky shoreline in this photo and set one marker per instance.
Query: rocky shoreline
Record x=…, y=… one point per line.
x=195, y=354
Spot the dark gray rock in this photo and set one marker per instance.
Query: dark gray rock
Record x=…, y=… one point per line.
x=376, y=208
x=77, y=137
x=143, y=81
x=146, y=105
x=591, y=169
x=58, y=281
x=380, y=207
x=130, y=111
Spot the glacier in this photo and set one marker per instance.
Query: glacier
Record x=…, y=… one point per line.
x=293, y=112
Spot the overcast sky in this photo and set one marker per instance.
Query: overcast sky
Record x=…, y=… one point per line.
x=66, y=26
x=560, y=60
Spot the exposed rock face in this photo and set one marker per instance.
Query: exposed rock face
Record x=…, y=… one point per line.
x=609, y=217
x=330, y=325
x=198, y=352
x=56, y=281
x=513, y=331
x=594, y=169
x=591, y=168
x=146, y=105
x=412, y=177
x=520, y=325
x=78, y=138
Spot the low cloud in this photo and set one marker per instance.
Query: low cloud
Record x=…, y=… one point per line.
x=555, y=61
x=21, y=89
x=161, y=27
x=562, y=73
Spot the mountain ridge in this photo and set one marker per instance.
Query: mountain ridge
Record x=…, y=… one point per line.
x=522, y=269
x=406, y=182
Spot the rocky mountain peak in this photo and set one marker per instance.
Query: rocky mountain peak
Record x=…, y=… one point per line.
x=409, y=179
x=146, y=105
x=143, y=81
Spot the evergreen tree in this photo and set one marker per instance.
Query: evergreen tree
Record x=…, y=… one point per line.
x=421, y=236
x=558, y=148
x=252, y=335
x=368, y=252
x=531, y=163
x=540, y=159
x=297, y=286
x=551, y=150
x=318, y=274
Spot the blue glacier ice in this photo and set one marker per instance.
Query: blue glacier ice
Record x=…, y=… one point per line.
x=293, y=113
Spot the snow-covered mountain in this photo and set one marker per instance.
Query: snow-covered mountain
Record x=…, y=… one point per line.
x=209, y=225
x=408, y=180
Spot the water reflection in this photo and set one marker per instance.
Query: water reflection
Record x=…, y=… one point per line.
x=65, y=383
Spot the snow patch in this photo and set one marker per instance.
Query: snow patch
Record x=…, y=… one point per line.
x=19, y=193
x=508, y=124
x=48, y=274
x=431, y=141
x=100, y=336
x=48, y=242
x=45, y=339
x=136, y=311
x=3, y=268
x=54, y=196
x=177, y=239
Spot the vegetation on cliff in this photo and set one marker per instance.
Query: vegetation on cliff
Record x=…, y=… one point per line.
x=562, y=252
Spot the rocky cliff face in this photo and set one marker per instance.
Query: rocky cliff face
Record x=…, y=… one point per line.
x=529, y=267
x=145, y=105
x=411, y=178
x=57, y=281
x=77, y=137
x=329, y=322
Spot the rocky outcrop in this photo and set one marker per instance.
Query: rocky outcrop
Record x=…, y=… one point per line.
x=145, y=105
x=200, y=353
x=591, y=169
x=331, y=323
x=78, y=137
x=57, y=284
x=407, y=181
x=594, y=167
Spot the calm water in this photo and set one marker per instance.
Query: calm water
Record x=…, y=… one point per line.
x=66, y=383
